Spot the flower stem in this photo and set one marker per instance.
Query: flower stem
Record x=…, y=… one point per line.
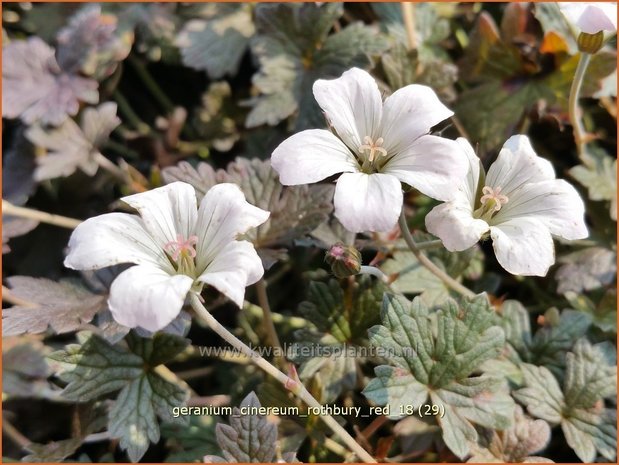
x=580, y=134
x=111, y=168
x=299, y=390
x=373, y=271
x=152, y=86
x=408, y=15
x=269, y=326
x=49, y=218
x=125, y=109
x=425, y=261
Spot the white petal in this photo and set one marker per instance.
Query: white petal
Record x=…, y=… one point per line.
x=517, y=164
x=311, y=156
x=368, y=202
x=470, y=184
x=233, y=269
x=454, y=224
x=433, y=165
x=147, y=296
x=111, y=239
x=591, y=17
x=555, y=203
x=167, y=211
x=409, y=113
x=523, y=246
x=352, y=104
x=223, y=215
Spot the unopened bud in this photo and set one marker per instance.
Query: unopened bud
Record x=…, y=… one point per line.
x=344, y=260
x=590, y=43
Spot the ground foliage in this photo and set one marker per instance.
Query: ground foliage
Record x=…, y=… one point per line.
x=203, y=93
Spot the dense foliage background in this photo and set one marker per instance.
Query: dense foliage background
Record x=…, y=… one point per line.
x=204, y=93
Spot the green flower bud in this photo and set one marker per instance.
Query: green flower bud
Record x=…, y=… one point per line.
x=344, y=260
x=590, y=43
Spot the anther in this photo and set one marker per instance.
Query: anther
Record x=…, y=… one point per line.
x=373, y=147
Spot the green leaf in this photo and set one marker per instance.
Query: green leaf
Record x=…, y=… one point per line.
x=604, y=313
x=95, y=367
x=586, y=270
x=600, y=179
x=55, y=451
x=217, y=44
x=341, y=318
x=294, y=49
x=25, y=371
x=515, y=445
x=434, y=354
x=591, y=376
x=414, y=278
x=191, y=442
x=63, y=306
x=249, y=437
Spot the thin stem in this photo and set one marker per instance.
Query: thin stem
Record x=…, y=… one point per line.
x=580, y=134
x=13, y=433
x=125, y=109
x=269, y=326
x=111, y=168
x=425, y=261
x=373, y=271
x=150, y=83
x=49, y=218
x=7, y=296
x=408, y=15
x=121, y=149
x=293, y=385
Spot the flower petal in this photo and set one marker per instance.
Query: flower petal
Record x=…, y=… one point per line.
x=433, y=165
x=555, y=203
x=598, y=17
x=352, y=104
x=454, y=224
x=311, y=156
x=148, y=297
x=409, y=113
x=167, y=211
x=223, y=215
x=523, y=246
x=233, y=269
x=112, y=239
x=368, y=202
x=469, y=185
x=516, y=165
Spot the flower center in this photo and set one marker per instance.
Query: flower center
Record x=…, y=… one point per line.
x=373, y=147
x=182, y=252
x=491, y=202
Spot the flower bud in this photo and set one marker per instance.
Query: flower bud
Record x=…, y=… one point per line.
x=344, y=260
x=590, y=43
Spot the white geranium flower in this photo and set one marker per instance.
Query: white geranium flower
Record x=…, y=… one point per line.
x=378, y=145
x=519, y=202
x=177, y=248
x=591, y=17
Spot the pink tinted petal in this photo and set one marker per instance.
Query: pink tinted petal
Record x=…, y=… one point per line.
x=311, y=156
x=433, y=165
x=148, y=297
x=167, y=211
x=454, y=224
x=368, y=202
x=353, y=105
x=224, y=214
x=410, y=112
x=523, y=246
x=233, y=269
x=112, y=239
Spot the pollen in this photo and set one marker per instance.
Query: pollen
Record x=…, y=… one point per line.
x=494, y=197
x=181, y=247
x=373, y=147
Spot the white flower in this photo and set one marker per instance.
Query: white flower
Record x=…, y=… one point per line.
x=591, y=17
x=378, y=145
x=519, y=202
x=177, y=248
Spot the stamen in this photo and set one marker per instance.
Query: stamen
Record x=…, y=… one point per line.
x=373, y=147
x=181, y=247
x=494, y=195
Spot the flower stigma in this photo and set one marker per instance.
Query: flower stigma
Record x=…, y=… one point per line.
x=182, y=251
x=374, y=147
x=491, y=202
